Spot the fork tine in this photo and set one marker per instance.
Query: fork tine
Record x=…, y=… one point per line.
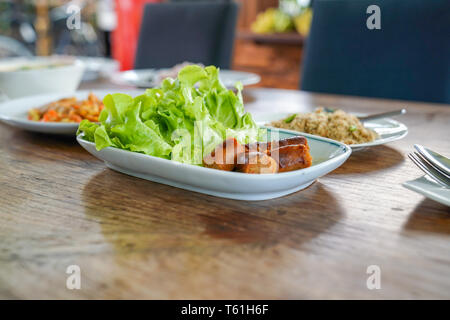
x=431, y=157
x=429, y=171
x=432, y=169
x=431, y=164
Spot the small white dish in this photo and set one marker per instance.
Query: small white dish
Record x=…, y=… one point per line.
x=20, y=77
x=15, y=112
x=96, y=67
x=327, y=156
x=147, y=78
x=430, y=189
x=388, y=130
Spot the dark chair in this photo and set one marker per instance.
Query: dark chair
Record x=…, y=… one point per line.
x=408, y=58
x=200, y=32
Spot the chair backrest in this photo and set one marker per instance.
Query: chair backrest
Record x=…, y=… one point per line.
x=408, y=58
x=199, y=32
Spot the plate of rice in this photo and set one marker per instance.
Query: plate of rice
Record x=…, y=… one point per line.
x=337, y=125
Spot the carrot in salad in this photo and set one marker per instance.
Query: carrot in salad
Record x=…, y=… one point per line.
x=68, y=110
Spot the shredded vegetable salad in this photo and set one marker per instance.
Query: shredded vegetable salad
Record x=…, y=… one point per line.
x=68, y=110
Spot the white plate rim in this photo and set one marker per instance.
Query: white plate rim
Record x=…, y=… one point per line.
x=232, y=185
x=119, y=77
x=46, y=127
x=345, y=148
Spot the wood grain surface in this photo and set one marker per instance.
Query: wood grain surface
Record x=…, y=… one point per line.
x=132, y=238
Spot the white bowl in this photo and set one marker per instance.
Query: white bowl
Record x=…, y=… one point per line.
x=63, y=78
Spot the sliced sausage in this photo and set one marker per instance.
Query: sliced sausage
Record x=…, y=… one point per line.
x=292, y=157
x=256, y=163
x=267, y=146
x=224, y=156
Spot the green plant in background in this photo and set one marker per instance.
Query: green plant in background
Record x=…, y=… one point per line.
x=291, y=15
x=272, y=20
x=282, y=22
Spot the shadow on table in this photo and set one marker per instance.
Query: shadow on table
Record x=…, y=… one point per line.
x=136, y=214
x=20, y=134
x=43, y=139
x=371, y=159
x=429, y=216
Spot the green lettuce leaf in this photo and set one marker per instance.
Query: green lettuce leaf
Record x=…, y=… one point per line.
x=102, y=139
x=183, y=119
x=88, y=128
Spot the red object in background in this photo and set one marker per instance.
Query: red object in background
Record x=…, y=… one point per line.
x=125, y=37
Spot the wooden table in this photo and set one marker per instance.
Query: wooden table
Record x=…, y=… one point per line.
x=132, y=238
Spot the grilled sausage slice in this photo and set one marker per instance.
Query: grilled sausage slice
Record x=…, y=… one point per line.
x=260, y=157
x=256, y=163
x=224, y=156
x=267, y=146
x=292, y=157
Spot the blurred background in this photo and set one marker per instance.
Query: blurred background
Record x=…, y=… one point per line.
x=324, y=46
x=268, y=39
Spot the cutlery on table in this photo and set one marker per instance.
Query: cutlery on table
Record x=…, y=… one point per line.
x=439, y=162
x=382, y=115
x=377, y=115
x=429, y=169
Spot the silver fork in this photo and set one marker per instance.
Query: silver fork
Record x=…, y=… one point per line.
x=434, y=159
x=426, y=167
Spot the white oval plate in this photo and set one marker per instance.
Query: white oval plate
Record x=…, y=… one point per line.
x=430, y=189
x=327, y=156
x=145, y=78
x=15, y=112
x=388, y=129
